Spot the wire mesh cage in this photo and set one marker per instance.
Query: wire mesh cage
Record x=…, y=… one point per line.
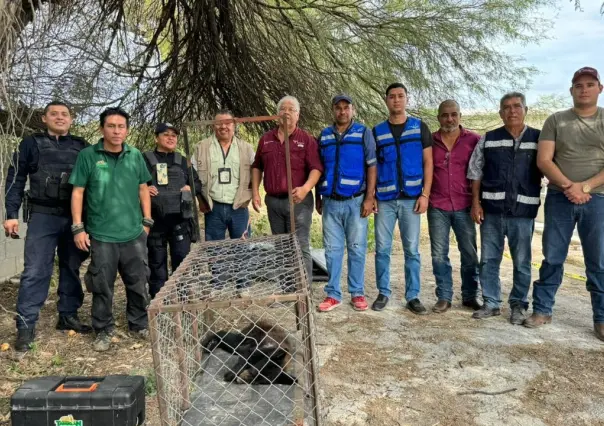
x=233, y=337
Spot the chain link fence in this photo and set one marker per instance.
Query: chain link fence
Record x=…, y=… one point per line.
x=233, y=337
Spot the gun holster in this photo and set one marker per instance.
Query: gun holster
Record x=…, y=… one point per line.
x=186, y=204
x=26, y=207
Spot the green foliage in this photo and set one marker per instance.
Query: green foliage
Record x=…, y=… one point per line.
x=34, y=348
x=260, y=226
x=57, y=360
x=150, y=380
x=182, y=60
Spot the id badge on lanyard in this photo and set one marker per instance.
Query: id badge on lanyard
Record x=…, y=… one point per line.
x=224, y=173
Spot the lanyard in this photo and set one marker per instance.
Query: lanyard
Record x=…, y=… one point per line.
x=224, y=156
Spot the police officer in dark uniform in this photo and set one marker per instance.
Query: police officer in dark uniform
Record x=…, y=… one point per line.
x=171, y=205
x=47, y=158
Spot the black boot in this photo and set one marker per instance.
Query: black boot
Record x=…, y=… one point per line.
x=25, y=337
x=486, y=312
x=72, y=322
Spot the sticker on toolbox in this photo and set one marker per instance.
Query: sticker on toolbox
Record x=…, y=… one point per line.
x=68, y=421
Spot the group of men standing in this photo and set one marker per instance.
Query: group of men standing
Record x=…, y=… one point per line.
x=398, y=171
x=124, y=208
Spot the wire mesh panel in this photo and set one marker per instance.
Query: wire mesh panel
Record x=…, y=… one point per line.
x=233, y=336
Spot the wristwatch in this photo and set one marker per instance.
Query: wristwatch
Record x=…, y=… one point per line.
x=586, y=188
x=147, y=221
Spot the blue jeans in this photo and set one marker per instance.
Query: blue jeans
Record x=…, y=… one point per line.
x=343, y=224
x=409, y=226
x=45, y=234
x=440, y=223
x=222, y=218
x=519, y=231
x=561, y=216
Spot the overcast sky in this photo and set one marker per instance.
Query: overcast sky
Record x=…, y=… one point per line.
x=576, y=40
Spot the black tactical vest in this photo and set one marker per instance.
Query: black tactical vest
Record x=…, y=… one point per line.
x=168, y=200
x=511, y=183
x=49, y=186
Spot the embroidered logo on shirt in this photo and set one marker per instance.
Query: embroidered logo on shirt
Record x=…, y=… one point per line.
x=101, y=164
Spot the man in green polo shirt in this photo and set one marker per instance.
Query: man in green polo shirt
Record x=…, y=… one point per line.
x=114, y=177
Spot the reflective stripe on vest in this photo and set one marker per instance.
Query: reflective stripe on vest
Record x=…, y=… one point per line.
x=528, y=200
x=501, y=196
x=343, y=160
x=511, y=182
x=493, y=195
x=400, y=163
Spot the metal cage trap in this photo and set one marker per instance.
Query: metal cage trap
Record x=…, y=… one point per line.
x=233, y=336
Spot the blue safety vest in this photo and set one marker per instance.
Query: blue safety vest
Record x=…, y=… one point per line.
x=400, y=166
x=511, y=181
x=343, y=160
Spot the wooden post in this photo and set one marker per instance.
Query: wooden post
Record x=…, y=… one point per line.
x=161, y=388
x=196, y=340
x=208, y=320
x=288, y=165
x=302, y=285
x=300, y=405
x=182, y=367
x=310, y=341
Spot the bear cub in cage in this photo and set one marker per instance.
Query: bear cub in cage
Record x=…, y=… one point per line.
x=264, y=353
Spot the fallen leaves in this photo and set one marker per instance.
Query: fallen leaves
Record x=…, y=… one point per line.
x=4, y=347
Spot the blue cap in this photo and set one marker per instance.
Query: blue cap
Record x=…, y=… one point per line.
x=341, y=97
x=162, y=127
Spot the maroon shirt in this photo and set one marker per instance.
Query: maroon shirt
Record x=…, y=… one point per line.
x=270, y=158
x=451, y=189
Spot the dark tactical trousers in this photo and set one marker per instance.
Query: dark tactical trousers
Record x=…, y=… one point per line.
x=179, y=240
x=45, y=234
x=130, y=260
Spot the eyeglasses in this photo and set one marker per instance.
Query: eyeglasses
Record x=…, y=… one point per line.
x=288, y=109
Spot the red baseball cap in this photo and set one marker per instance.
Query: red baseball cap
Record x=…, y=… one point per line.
x=586, y=71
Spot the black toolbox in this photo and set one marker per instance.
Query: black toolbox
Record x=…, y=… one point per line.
x=80, y=401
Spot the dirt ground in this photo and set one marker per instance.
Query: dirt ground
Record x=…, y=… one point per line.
x=397, y=368
x=391, y=367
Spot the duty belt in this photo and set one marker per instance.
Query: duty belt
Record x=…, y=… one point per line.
x=57, y=211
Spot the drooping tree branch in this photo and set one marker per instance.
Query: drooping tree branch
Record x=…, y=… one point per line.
x=185, y=59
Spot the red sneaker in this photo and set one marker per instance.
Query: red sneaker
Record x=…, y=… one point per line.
x=359, y=303
x=328, y=304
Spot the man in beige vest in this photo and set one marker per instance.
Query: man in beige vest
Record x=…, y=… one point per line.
x=223, y=162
